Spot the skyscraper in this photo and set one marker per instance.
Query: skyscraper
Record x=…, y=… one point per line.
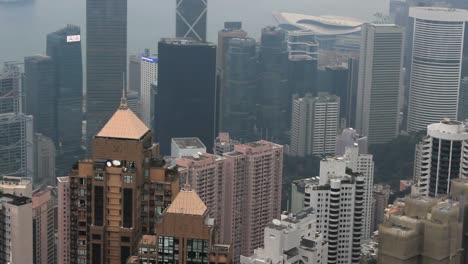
x=185, y=101
x=273, y=94
x=134, y=73
x=17, y=128
x=436, y=64
x=63, y=220
x=338, y=196
x=302, y=74
x=41, y=94
x=148, y=81
x=314, y=124
x=377, y=114
x=443, y=157
x=333, y=79
x=239, y=88
x=463, y=102
x=353, y=82
x=106, y=58
x=44, y=160
x=44, y=250
x=64, y=47
x=191, y=19
x=231, y=30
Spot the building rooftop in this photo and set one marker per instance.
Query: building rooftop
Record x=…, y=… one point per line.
x=124, y=124
x=187, y=202
x=188, y=143
x=15, y=200
x=63, y=179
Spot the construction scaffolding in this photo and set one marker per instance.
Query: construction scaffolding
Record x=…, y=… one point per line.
x=16, y=128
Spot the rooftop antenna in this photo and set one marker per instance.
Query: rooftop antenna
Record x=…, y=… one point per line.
x=123, y=100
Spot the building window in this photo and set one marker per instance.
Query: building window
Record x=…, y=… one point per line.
x=197, y=250
x=128, y=178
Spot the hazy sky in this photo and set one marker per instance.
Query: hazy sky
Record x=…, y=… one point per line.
x=23, y=27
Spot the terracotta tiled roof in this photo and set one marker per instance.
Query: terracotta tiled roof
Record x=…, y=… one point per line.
x=124, y=124
x=187, y=202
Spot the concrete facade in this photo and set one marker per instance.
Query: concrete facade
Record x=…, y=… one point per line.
x=43, y=227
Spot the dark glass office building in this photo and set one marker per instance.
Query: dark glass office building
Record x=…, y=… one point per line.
x=303, y=74
x=240, y=84
x=64, y=47
x=191, y=19
x=273, y=96
x=41, y=94
x=185, y=100
x=106, y=58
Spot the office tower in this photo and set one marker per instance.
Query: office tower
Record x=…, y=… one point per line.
x=338, y=196
x=293, y=239
x=238, y=98
x=191, y=17
x=133, y=101
x=186, y=147
x=348, y=138
x=302, y=74
x=16, y=229
x=463, y=102
x=44, y=160
x=41, y=94
x=231, y=30
x=185, y=102
x=377, y=114
x=353, y=82
x=273, y=97
x=443, y=158
x=435, y=71
x=134, y=73
x=63, y=220
x=224, y=143
x=16, y=128
x=363, y=164
x=117, y=194
x=19, y=186
x=106, y=61
x=399, y=12
x=422, y=230
x=381, y=194
x=43, y=218
x=334, y=80
x=149, y=78
x=314, y=124
x=64, y=48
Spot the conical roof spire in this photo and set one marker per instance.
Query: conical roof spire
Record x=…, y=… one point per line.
x=123, y=100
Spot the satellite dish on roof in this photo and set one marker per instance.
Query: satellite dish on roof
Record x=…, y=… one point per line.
x=276, y=222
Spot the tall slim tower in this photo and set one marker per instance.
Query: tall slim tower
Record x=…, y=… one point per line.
x=106, y=58
x=185, y=102
x=64, y=47
x=377, y=114
x=436, y=64
x=191, y=19
x=148, y=81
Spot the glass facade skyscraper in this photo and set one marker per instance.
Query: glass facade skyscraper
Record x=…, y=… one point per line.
x=191, y=19
x=185, y=100
x=106, y=58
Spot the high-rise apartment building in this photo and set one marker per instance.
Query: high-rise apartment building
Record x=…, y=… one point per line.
x=463, y=102
x=16, y=229
x=44, y=160
x=187, y=79
x=443, y=156
x=377, y=114
x=41, y=94
x=273, y=97
x=116, y=196
x=106, y=60
x=421, y=230
x=238, y=100
x=63, y=220
x=64, y=48
x=381, y=194
x=435, y=64
x=231, y=30
x=148, y=82
x=43, y=217
x=16, y=127
x=191, y=19
x=291, y=239
x=338, y=195
x=363, y=164
x=314, y=124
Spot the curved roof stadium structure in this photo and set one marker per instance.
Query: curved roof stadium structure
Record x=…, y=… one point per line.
x=319, y=25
